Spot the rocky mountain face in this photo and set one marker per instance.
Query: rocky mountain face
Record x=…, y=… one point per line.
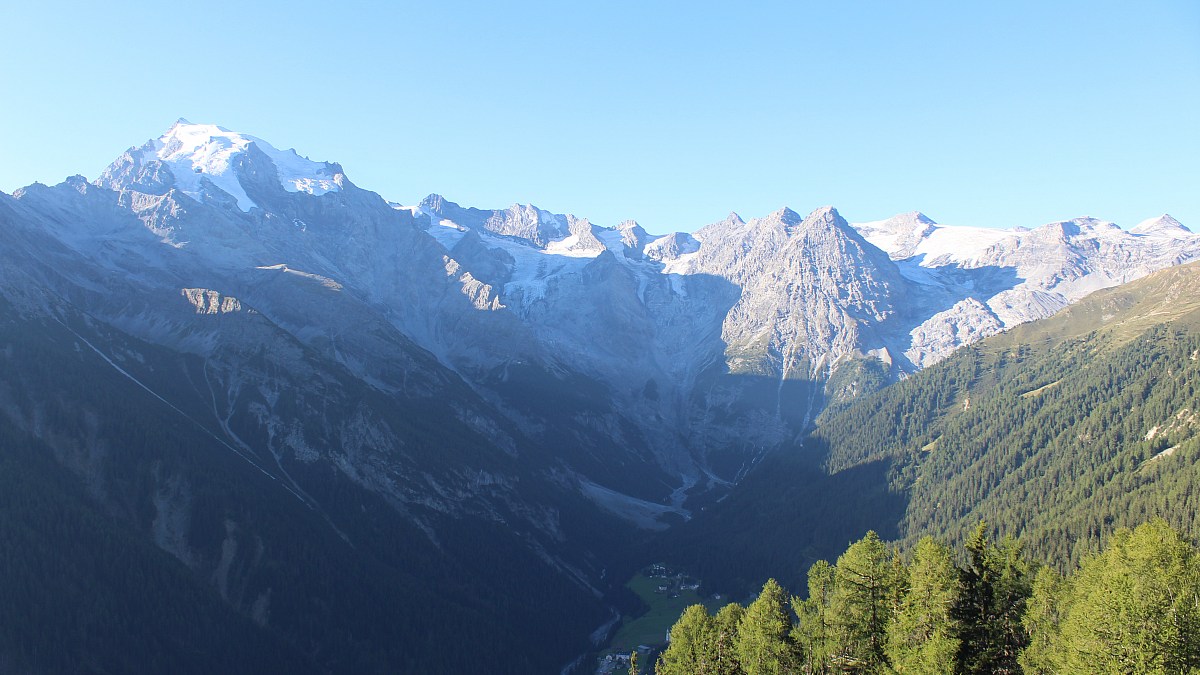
x=532, y=376
x=732, y=338
x=691, y=353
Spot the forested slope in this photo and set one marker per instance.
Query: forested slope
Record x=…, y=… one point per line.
x=1056, y=433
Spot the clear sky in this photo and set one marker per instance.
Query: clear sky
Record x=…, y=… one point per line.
x=669, y=113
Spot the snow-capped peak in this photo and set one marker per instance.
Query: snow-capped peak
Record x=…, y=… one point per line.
x=206, y=153
x=919, y=217
x=1164, y=225
x=909, y=222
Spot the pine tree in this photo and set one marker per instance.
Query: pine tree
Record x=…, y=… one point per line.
x=764, y=634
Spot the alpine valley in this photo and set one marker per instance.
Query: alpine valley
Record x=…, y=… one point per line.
x=256, y=419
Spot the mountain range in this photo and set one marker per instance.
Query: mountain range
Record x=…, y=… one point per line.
x=1055, y=433
x=435, y=422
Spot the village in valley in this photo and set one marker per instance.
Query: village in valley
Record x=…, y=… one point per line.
x=666, y=592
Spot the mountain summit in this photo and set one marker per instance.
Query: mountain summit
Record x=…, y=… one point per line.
x=1163, y=225
x=196, y=158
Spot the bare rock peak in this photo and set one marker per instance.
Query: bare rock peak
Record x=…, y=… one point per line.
x=435, y=202
x=825, y=216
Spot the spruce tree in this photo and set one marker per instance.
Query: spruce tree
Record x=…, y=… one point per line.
x=996, y=584
x=1013, y=584
x=974, y=607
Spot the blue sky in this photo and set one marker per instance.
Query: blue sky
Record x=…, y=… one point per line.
x=670, y=113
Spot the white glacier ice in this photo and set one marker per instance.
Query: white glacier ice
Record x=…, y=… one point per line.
x=195, y=152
